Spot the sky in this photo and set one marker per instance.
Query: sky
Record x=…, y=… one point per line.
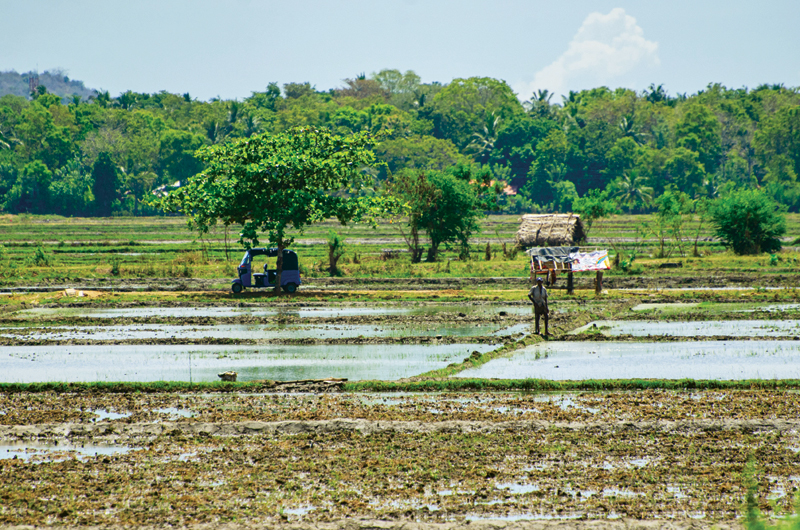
x=230, y=49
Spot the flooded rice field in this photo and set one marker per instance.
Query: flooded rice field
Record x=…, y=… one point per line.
x=68, y=363
x=255, y=332
x=678, y=308
x=774, y=359
x=278, y=312
x=366, y=460
x=706, y=328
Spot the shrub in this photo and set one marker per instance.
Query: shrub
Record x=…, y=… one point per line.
x=336, y=249
x=749, y=222
x=39, y=258
x=114, y=266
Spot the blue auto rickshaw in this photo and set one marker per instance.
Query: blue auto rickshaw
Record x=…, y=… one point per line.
x=290, y=277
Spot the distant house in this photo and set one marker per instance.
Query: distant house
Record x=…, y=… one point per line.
x=552, y=230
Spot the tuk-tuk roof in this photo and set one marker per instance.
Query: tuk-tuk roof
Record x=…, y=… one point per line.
x=268, y=252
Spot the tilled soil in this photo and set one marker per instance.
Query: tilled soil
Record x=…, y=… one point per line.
x=646, y=459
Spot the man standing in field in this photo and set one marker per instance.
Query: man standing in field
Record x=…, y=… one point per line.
x=538, y=296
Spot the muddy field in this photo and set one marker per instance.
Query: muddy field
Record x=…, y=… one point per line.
x=306, y=456
x=269, y=458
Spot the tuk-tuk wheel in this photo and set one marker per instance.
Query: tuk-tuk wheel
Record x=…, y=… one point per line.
x=236, y=288
x=290, y=287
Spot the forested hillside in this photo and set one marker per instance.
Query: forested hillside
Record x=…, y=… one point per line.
x=102, y=155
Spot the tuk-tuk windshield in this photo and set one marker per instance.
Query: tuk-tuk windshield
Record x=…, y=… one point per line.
x=245, y=259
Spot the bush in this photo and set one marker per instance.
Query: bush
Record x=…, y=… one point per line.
x=749, y=222
x=336, y=249
x=39, y=258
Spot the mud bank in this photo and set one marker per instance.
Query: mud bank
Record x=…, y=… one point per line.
x=136, y=432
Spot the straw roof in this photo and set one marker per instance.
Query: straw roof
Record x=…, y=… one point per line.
x=554, y=229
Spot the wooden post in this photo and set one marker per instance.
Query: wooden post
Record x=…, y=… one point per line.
x=598, y=283
x=570, y=283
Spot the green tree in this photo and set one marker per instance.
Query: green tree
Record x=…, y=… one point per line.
x=270, y=184
x=548, y=169
x=685, y=171
x=631, y=192
x=777, y=146
x=463, y=107
x=105, y=184
x=699, y=130
x=31, y=192
x=748, y=221
x=444, y=204
x=177, y=154
x=416, y=152
x=593, y=206
x=672, y=208
x=71, y=190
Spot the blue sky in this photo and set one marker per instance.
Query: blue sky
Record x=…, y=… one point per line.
x=229, y=49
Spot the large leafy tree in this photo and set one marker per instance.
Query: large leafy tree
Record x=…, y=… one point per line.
x=445, y=204
x=465, y=106
x=272, y=184
x=749, y=222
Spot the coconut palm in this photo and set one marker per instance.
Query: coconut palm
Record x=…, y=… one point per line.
x=632, y=192
x=629, y=128
x=482, y=143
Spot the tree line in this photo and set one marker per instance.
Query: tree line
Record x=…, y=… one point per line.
x=106, y=155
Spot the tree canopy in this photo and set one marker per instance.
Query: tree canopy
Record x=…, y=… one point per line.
x=633, y=144
x=271, y=184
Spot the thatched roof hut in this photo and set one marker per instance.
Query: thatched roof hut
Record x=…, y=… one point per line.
x=554, y=229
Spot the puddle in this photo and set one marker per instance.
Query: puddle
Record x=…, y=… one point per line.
x=750, y=328
x=174, y=413
x=40, y=452
x=730, y=360
x=103, y=415
x=29, y=364
x=255, y=332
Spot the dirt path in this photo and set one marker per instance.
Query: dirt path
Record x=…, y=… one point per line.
x=709, y=279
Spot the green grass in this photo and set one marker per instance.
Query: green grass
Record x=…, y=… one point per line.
x=163, y=247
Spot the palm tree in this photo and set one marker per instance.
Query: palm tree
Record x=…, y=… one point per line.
x=632, y=192
x=656, y=94
x=539, y=105
x=251, y=125
x=483, y=142
x=628, y=127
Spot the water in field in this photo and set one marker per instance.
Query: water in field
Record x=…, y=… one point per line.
x=255, y=332
x=730, y=360
x=40, y=452
x=68, y=363
x=740, y=328
x=715, y=307
x=268, y=312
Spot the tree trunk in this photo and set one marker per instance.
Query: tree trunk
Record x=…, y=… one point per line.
x=433, y=252
x=279, y=267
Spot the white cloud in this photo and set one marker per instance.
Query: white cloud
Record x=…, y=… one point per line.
x=606, y=48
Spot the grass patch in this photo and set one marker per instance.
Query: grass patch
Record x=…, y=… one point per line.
x=546, y=385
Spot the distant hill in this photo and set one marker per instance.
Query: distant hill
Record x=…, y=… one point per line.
x=55, y=81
